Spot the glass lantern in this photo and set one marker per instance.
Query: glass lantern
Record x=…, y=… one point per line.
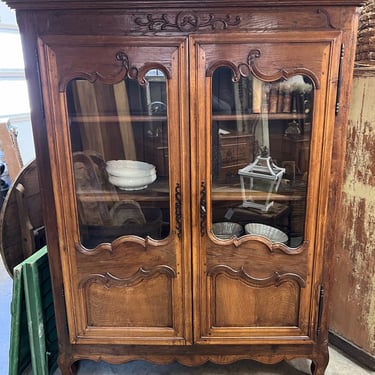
x=259, y=181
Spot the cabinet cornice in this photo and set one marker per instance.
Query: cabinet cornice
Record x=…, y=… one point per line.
x=136, y=4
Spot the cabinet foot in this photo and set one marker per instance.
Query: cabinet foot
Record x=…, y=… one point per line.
x=319, y=365
x=66, y=366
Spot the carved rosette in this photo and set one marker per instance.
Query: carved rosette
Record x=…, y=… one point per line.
x=186, y=21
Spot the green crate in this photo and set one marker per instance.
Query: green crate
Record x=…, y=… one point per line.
x=19, y=352
x=33, y=331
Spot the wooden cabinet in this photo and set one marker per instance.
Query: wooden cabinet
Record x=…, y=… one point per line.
x=200, y=90
x=235, y=152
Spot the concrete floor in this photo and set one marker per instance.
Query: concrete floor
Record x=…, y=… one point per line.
x=339, y=364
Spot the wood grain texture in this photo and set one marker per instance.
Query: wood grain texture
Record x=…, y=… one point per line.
x=187, y=297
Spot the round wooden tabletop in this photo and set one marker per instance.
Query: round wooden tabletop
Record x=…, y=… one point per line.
x=21, y=219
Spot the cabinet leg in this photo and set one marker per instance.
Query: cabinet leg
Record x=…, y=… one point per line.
x=66, y=366
x=319, y=364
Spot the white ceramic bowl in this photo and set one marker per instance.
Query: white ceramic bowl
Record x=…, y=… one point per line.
x=129, y=168
x=130, y=174
x=227, y=229
x=271, y=233
x=135, y=183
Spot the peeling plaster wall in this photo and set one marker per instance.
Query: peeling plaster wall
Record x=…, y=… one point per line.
x=353, y=294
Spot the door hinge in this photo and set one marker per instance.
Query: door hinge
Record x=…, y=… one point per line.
x=320, y=310
x=339, y=80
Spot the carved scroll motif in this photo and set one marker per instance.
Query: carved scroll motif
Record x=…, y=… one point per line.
x=118, y=243
x=192, y=21
x=105, y=77
x=187, y=21
x=121, y=69
x=250, y=67
x=282, y=73
x=325, y=13
x=109, y=280
x=275, y=279
x=139, y=74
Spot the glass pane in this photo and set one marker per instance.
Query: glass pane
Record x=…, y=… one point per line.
x=119, y=141
x=261, y=134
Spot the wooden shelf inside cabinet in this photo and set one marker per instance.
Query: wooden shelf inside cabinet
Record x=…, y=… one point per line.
x=114, y=118
x=147, y=195
x=228, y=193
x=257, y=116
x=159, y=192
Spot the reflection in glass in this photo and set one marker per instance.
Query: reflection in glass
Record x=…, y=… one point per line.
x=261, y=133
x=119, y=141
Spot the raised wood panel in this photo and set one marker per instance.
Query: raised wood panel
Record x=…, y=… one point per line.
x=235, y=303
x=144, y=303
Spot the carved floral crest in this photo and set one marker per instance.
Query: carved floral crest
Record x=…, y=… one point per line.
x=187, y=21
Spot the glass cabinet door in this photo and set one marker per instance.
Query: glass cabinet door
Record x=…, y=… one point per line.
x=119, y=137
x=268, y=122
x=124, y=264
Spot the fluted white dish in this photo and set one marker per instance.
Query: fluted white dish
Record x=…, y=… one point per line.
x=227, y=229
x=271, y=233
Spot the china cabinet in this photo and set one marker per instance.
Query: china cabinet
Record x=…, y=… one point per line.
x=193, y=93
